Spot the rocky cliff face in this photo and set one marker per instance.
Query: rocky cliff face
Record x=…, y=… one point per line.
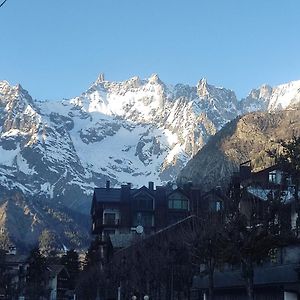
x=245, y=138
x=22, y=222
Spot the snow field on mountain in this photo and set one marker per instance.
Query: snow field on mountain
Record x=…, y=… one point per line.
x=285, y=95
x=8, y=156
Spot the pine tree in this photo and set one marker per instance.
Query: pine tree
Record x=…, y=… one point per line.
x=36, y=275
x=3, y=271
x=71, y=262
x=208, y=246
x=48, y=243
x=91, y=278
x=289, y=161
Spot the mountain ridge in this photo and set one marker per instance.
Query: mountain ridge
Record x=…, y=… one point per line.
x=63, y=149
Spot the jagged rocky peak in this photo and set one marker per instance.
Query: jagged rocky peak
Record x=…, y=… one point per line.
x=207, y=91
x=257, y=100
x=115, y=87
x=19, y=87
x=4, y=86
x=272, y=98
x=7, y=92
x=134, y=82
x=265, y=91
x=16, y=100
x=154, y=79
x=100, y=79
x=202, y=87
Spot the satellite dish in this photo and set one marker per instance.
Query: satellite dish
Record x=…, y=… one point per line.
x=139, y=229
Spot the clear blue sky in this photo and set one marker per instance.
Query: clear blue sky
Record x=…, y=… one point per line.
x=57, y=48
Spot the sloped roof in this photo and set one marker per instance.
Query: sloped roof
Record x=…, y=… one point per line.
x=262, y=194
x=141, y=190
x=267, y=170
x=178, y=190
x=108, y=195
x=54, y=270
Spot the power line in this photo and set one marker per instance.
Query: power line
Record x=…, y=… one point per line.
x=3, y=3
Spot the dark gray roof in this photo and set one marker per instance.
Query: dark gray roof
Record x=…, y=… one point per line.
x=54, y=270
x=177, y=190
x=108, y=195
x=142, y=189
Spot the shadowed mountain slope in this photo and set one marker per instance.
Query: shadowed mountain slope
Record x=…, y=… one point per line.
x=245, y=138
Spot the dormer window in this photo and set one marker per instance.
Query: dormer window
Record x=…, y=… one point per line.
x=275, y=177
x=178, y=201
x=178, y=204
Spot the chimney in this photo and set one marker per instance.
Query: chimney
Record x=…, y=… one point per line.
x=245, y=170
x=107, y=184
x=151, y=185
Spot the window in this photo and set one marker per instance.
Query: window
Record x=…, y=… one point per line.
x=109, y=219
x=215, y=205
x=275, y=177
x=272, y=177
x=177, y=201
x=178, y=204
x=218, y=205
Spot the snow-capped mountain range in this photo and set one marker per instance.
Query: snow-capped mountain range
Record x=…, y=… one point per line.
x=132, y=131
